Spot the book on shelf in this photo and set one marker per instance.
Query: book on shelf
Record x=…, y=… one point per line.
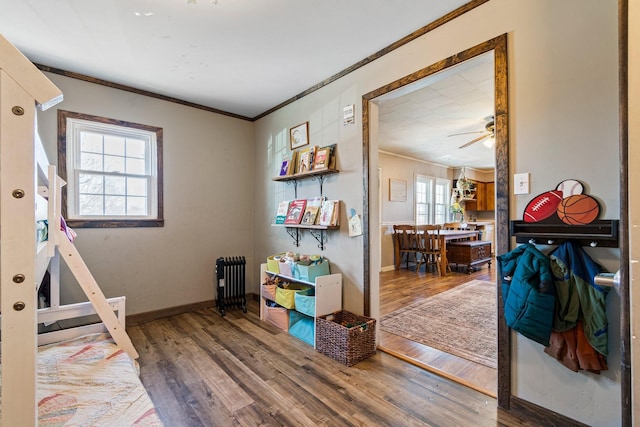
x=284, y=167
x=283, y=209
x=311, y=211
x=329, y=213
x=331, y=156
x=292, y=164
x=335, y=218
x=321, y=159
x=302, y=163
x=295, y=212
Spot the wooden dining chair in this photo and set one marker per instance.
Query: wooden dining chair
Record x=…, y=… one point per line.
x=405, y=239
x=459, y=226
x=431, y=247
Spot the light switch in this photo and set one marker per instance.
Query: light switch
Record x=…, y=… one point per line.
x=521, y=183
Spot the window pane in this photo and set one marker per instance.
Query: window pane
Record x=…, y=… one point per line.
x=114, y=205
x=137, y=186
x=113, y=170
x=115, y=185
x=91, y=204
x=136, y=205
x=91, y=162
x=91, y=142
x=114, y=164
x=136, y=166
x=136, y=148
x=91, y=184
x=114, y=145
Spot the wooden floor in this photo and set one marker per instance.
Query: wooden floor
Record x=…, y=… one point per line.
x=201, y=369
x=401, y=287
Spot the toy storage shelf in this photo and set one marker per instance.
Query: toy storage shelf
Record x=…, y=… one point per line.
x=328, y=299
x=600, y=233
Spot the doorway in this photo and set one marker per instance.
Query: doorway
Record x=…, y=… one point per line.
x=432, y=133
x=372, y=285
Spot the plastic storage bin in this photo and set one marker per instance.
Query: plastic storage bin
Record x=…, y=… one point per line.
x=268, y=291
x=287, y=297
x=277, y=316
x=308, y=273
x=305, y=302
x=301, y=327
x=273, y=263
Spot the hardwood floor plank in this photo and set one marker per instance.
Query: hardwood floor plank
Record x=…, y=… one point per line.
x=195, y=365
x=399, y=288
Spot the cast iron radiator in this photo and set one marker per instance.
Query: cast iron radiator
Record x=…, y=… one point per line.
x=230, y=283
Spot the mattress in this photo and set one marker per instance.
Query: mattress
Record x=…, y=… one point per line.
x=89, y=381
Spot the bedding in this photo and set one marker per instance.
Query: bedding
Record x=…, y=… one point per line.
x=89, y=381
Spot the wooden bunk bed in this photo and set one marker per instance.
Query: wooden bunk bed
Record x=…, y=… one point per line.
x=30, y=192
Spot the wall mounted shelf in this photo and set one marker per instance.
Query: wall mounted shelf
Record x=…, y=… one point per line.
x=317, y=231
x=313, y=175
x=600, y=233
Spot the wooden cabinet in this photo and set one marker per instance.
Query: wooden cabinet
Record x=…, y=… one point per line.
x=301, y=323
x=469, y=253
x=484, y=197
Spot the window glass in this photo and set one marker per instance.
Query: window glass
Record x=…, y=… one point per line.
x=112, y=171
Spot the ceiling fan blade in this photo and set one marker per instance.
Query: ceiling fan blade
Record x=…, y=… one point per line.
x=467, y=133
x=473, y=141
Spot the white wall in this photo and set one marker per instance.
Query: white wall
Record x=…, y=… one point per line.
x=208, y=201
x=563, y=124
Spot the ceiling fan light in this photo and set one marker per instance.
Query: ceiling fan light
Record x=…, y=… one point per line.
x=489, y=142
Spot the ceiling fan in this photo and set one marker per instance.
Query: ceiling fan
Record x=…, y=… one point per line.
x=488, y=132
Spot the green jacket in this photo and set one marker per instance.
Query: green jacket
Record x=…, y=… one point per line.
x=578, y=297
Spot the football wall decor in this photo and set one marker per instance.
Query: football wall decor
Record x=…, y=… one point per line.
x=565, y=203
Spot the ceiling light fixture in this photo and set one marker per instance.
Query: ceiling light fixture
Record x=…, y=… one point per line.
x=489, y=141
x=196, y=2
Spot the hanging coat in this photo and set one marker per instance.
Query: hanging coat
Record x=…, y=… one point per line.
x=528, y=292
x=578, y=296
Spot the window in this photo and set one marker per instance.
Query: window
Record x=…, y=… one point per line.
x=113, y=171
x=432, y=200
x=423, y=200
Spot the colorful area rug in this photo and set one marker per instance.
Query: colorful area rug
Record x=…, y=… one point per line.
x=461, y=321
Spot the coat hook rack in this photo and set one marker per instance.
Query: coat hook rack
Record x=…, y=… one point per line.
x=600, y=233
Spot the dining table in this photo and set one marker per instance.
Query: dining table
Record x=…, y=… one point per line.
x=445, y=236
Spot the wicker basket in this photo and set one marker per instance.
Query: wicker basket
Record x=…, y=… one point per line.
x=346, y=337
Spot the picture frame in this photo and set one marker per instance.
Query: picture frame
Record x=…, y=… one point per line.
x=397, y=190
x=299, y=135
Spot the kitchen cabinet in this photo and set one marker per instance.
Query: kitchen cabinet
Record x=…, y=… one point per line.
x=484, y=198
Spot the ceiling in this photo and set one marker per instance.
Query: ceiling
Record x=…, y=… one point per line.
x=243, y=57
x=419, y=120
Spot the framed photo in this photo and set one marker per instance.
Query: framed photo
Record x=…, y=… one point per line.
x=397, y=190
x=299, y=135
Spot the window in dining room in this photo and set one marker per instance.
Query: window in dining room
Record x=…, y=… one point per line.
x=432, y=200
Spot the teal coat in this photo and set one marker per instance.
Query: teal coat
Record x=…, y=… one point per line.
x=528, y=292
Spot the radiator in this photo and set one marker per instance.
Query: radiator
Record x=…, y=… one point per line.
x=230, y=283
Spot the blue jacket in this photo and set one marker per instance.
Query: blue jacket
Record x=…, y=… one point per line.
x=528, y=292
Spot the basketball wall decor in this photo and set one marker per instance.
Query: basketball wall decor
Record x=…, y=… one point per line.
x=578, y=209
